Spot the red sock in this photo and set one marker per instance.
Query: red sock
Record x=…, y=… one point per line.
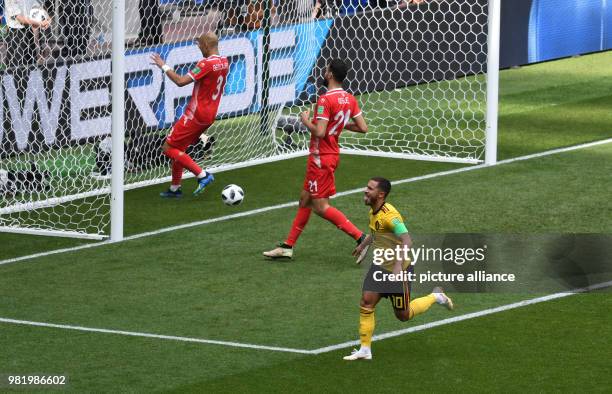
x=338, y=218
x=301, y=218
x=177, y=173
x=184, y=160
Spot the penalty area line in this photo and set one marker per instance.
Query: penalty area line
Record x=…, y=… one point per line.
x=152, y=233
x=467, y=316
x=326, y=349
x=295, y=203
x=154, y=336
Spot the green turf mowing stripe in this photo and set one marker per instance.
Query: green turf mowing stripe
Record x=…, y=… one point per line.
x=154, y=336
x=295, y=203
x=467, y=316
x=325, y=349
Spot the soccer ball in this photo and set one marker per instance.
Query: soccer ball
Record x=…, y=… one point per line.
x=232, y=195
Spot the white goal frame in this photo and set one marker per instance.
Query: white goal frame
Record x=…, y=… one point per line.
x=118, y=187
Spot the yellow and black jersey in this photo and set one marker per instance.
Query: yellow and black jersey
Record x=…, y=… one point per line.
x=386, y=226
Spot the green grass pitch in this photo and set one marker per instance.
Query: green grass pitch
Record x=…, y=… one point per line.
x=210, y=282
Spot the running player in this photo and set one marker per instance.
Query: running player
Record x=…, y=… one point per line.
x=209, y=77
x=334, y=112
x=387, y=232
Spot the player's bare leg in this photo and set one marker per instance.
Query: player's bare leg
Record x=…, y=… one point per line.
x=204, y=178
x=367, y=305
x=285, y=249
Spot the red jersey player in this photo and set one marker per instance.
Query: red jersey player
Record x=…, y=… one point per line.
x=334, y=111
x=209, y=77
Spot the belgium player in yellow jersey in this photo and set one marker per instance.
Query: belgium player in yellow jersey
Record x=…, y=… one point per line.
x=388, y=273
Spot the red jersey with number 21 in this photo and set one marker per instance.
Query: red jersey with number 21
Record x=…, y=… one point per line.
x=338, y=108
x=209, y=75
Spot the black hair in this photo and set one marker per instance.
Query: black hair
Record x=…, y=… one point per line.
x=339, y=69
x=384, y=184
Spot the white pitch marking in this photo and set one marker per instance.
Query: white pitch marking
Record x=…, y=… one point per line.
x=56, y=251
x=295, y=203
x=154, y=336
x=467, y=316
x=213, y=220
x=326, y=349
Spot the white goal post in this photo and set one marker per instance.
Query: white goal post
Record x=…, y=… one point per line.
x=84, y=120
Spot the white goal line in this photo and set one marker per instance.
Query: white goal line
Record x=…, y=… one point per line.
x=467, y=316
x=321, y=350
x=295, y=203
x=54, y=201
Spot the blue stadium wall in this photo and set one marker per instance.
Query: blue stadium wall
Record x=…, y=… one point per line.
x=405, y=54
x=540, y=30
x=531, y=31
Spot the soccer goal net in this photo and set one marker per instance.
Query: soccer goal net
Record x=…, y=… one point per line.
x=417, y=70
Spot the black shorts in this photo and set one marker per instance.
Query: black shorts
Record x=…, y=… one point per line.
x=398, y=292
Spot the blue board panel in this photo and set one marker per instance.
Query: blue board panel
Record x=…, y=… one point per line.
x=302, y=55
x=569, y=27
x=607, y=25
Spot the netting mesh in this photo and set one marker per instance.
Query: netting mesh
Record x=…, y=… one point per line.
x=417, y=71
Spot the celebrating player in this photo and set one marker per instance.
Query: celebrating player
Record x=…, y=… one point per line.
x=334, y=111
x=387, y=232
x=209, y=77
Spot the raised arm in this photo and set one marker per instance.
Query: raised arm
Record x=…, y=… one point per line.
x=179, y=80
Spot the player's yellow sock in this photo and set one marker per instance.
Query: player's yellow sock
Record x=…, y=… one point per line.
x=366, y=326
x=421, y=305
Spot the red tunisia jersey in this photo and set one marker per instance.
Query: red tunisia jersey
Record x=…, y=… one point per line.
x=209, y=76
x=338, y=108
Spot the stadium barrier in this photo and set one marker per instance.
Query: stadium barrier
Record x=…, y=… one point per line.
x=529, y=34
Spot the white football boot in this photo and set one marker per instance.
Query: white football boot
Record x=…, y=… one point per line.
x=442, y=298
x=361, y=354
x=279, y=253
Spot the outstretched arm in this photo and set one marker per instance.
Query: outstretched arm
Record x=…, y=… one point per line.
x=366, y=242
x=179, y=80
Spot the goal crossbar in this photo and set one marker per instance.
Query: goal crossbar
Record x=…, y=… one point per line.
x=428, y=87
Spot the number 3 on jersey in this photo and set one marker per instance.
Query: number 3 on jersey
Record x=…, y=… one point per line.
x=218, y=90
